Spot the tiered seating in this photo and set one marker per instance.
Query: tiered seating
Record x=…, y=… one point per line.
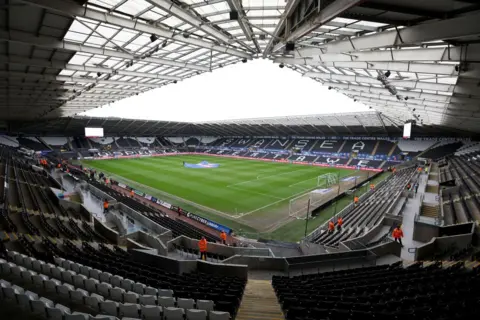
x=56, y=143
x=147, y=142
x=362, y=147
x=127, y=142
x=442, y=150
x=107, y=294
x=369, y=212
x=31, y=143
x=178, y=227
x=382, y=292
x=463, y=205
x=384, y=147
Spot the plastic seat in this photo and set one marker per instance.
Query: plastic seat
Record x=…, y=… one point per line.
x=27, y=276
x=85, y=270
x=37, y=265
x=50, y=285
x=151, y=312
x=9, y=293
x=79, y=281
x=65, y=289
x=17, y=271
x=185, y=303
x=78, y=295
x=105, y=277
x=127, y=284
x=171, y=313
x=56, y=272
x=195, y=314
x=64, y=264
x=116, y=294
x=129, y=310
x=75, y=267
x=116, y=281
x=46, y=267
x=38, y=280
x=57, y=312
x=104, y=289
x=39, y=306
x=91, y=284
x=138, y=288
x=205, y=305
x=28, y=262
x=218, y=315
x=109, y=307
x=130, y=297
x=148, y=300
x=67, y=276
x=93, y=301
x=77, y=316
x=165, y=293
x=152, y=291
x=24, y=299
x=95, y=274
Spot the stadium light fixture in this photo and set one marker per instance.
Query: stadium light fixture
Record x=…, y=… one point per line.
x=153, y=38
x=388, y=73
x=281, y=65
x=244, y=60
x=98, y=74
x=330, y=88
x=174, y=81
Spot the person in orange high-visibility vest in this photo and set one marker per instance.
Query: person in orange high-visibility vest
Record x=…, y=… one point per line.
x=223, y=236
x=339, y=223
x=372, y=187
x=355, y=200
x=132, y=193
x=105, y=206
x=394, y=170
x=397, y=235
x=202, y=246
x=331, y=226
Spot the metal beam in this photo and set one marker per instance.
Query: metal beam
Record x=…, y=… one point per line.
x=411, y=84
x=449, y=29
x=408, y=66
x=75, y=79
x=236, y=5
x=328, y=13
x=470, y=53
x=289, y=10
x=52, y=43
x=76, y=67
x=73, y=10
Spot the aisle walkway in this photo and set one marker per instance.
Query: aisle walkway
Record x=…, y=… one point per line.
x=259, y=302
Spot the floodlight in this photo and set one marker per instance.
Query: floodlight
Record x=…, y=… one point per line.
x=186, y=35
x=281, y=65
x=244, y=60
x=388, y=73
x=98, y=74
x=414, y=109
x=354, y=100
x=174, y=81
x=406, y=98
x=330, y=88
x=153, y=38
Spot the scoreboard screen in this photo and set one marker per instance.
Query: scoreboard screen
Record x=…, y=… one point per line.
x=93, y=132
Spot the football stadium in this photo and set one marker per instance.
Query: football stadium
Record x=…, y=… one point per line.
x=239, y=159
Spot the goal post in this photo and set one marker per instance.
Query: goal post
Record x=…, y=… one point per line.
x=298, y=206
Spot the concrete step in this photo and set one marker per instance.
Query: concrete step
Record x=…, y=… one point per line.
x=259, y=302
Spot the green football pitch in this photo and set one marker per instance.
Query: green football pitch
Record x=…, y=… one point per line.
x=255, y=193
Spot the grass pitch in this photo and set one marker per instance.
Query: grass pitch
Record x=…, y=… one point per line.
x=248, y=191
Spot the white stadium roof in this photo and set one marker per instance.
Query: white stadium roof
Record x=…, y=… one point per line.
x=406, y=59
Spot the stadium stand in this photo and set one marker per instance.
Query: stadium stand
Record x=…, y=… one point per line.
x=381, y=292
x=368, y=212
x=442, y=149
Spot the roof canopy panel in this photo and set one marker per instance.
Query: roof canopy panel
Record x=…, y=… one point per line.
x=409, y=60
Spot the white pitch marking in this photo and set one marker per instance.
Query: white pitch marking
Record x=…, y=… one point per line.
x=273, y=175
x=294, y=184
x=250, y=191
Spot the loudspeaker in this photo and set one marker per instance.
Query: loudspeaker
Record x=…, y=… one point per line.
x=233, y=15
x=290, y=46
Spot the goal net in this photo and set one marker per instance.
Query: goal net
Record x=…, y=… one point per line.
x=323, y=191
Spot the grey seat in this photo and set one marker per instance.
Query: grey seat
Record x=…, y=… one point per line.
x=10, y=293
x=95, y=274
x=151, y=312
x=103, y=317
x=171, y=313
x=19, y=259
x=39, y=306
x=129, y=310
x=205, y=305
x=93, y=301
x=75, y=267
x=105, y=277
x=57, y=312
x=37, y=265
x=138, y=287
x=79, y=280
x=165, y=293
x=46, y=268
x=38, y=280
x=27, y=276
x=64, y=264
x=219, y=315
x=17, y=271
x=85, y=271
x=50, y=285
x=109, y=307
x=116, y=294
x=7, y=267
x=24, y=299
x=67, y=276
x=77, y=316
x=166, y=302
x=116, y=281
x=65, y=289
x=78, y=295
x=3, y=284
x=127, y=284
x=148, y=300
x=104, y=289
x=57, y=272
x=151, y=291
x=130, y=297
x=91, y=284
x=185, y=303
x=28, y=262
x=195, y=314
